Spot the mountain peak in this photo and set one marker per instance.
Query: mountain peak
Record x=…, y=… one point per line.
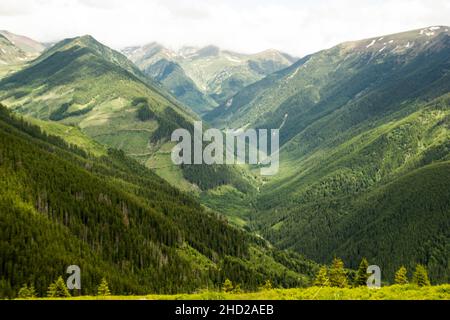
x=208, y=51
x=87, y=40
x=398, y=43
x=87, y=37
x=90, y=46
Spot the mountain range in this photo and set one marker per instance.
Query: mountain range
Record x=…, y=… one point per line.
x=16, y=50
x=364, y=134
x=364, y=161
x=204, y=77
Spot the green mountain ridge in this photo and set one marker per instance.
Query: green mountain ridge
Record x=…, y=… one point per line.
x=172, y=76
x=83, y=84
x=353, y=119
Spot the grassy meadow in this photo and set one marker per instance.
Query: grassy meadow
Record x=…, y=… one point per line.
x=395, y=292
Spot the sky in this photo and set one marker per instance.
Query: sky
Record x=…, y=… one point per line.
x=297, y=27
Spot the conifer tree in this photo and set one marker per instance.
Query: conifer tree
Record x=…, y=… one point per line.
x=420, y=276
x=401, y=276
x=58, y=289
x=103, y=288
x=322, y=279
x=267, y=285
x=228, y=286
x=27, y=292
x=237, y=289
x=361, y=274
x=338, y=276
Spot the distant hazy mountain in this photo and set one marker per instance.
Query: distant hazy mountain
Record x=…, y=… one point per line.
x=27, y=45
x=365, y=135
x=15, y=51
x=217, y=74
x=9, y=53
x=158, y=63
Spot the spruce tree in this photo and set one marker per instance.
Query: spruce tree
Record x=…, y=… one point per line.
x=103, y=288
x=228, y=286
x=338, y=276
x=361, y=274
x=267, y=285
x=401, y=276
x=420, y=276
x=237, y=289
x=58, y=289
x=27, y=292
x=32, y=291
x=322, y=279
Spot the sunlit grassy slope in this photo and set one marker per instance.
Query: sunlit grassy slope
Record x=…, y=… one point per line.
x=71, y=134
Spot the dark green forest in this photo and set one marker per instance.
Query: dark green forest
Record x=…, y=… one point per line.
x=115, y=219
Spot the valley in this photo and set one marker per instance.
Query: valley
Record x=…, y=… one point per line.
x=86, y=158
x=204, y=78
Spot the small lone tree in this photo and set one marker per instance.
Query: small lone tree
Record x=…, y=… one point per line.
x=237, y=289
x=103, y=288
x=361, y=274
x=267, y=285
x=322, y=279
x=401, y=276
x=227, y=286
x=420, y=276
x=27, y=292
x=338, y=276
x=58, y=289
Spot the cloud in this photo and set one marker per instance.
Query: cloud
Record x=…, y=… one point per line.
x=15, y=8
x=297, y=27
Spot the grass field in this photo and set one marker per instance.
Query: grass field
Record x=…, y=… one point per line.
x=396, y=292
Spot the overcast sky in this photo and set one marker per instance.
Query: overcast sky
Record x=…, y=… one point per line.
x=297, y=27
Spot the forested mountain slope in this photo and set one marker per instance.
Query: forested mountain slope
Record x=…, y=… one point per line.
x=363, y=119
x=81, y=83
x=115, y=219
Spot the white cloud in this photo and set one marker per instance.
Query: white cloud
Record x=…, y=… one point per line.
x=297, y=27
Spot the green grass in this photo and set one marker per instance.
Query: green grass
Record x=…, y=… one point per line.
x=161, y=163
x=72, y=135
x=396, y=292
